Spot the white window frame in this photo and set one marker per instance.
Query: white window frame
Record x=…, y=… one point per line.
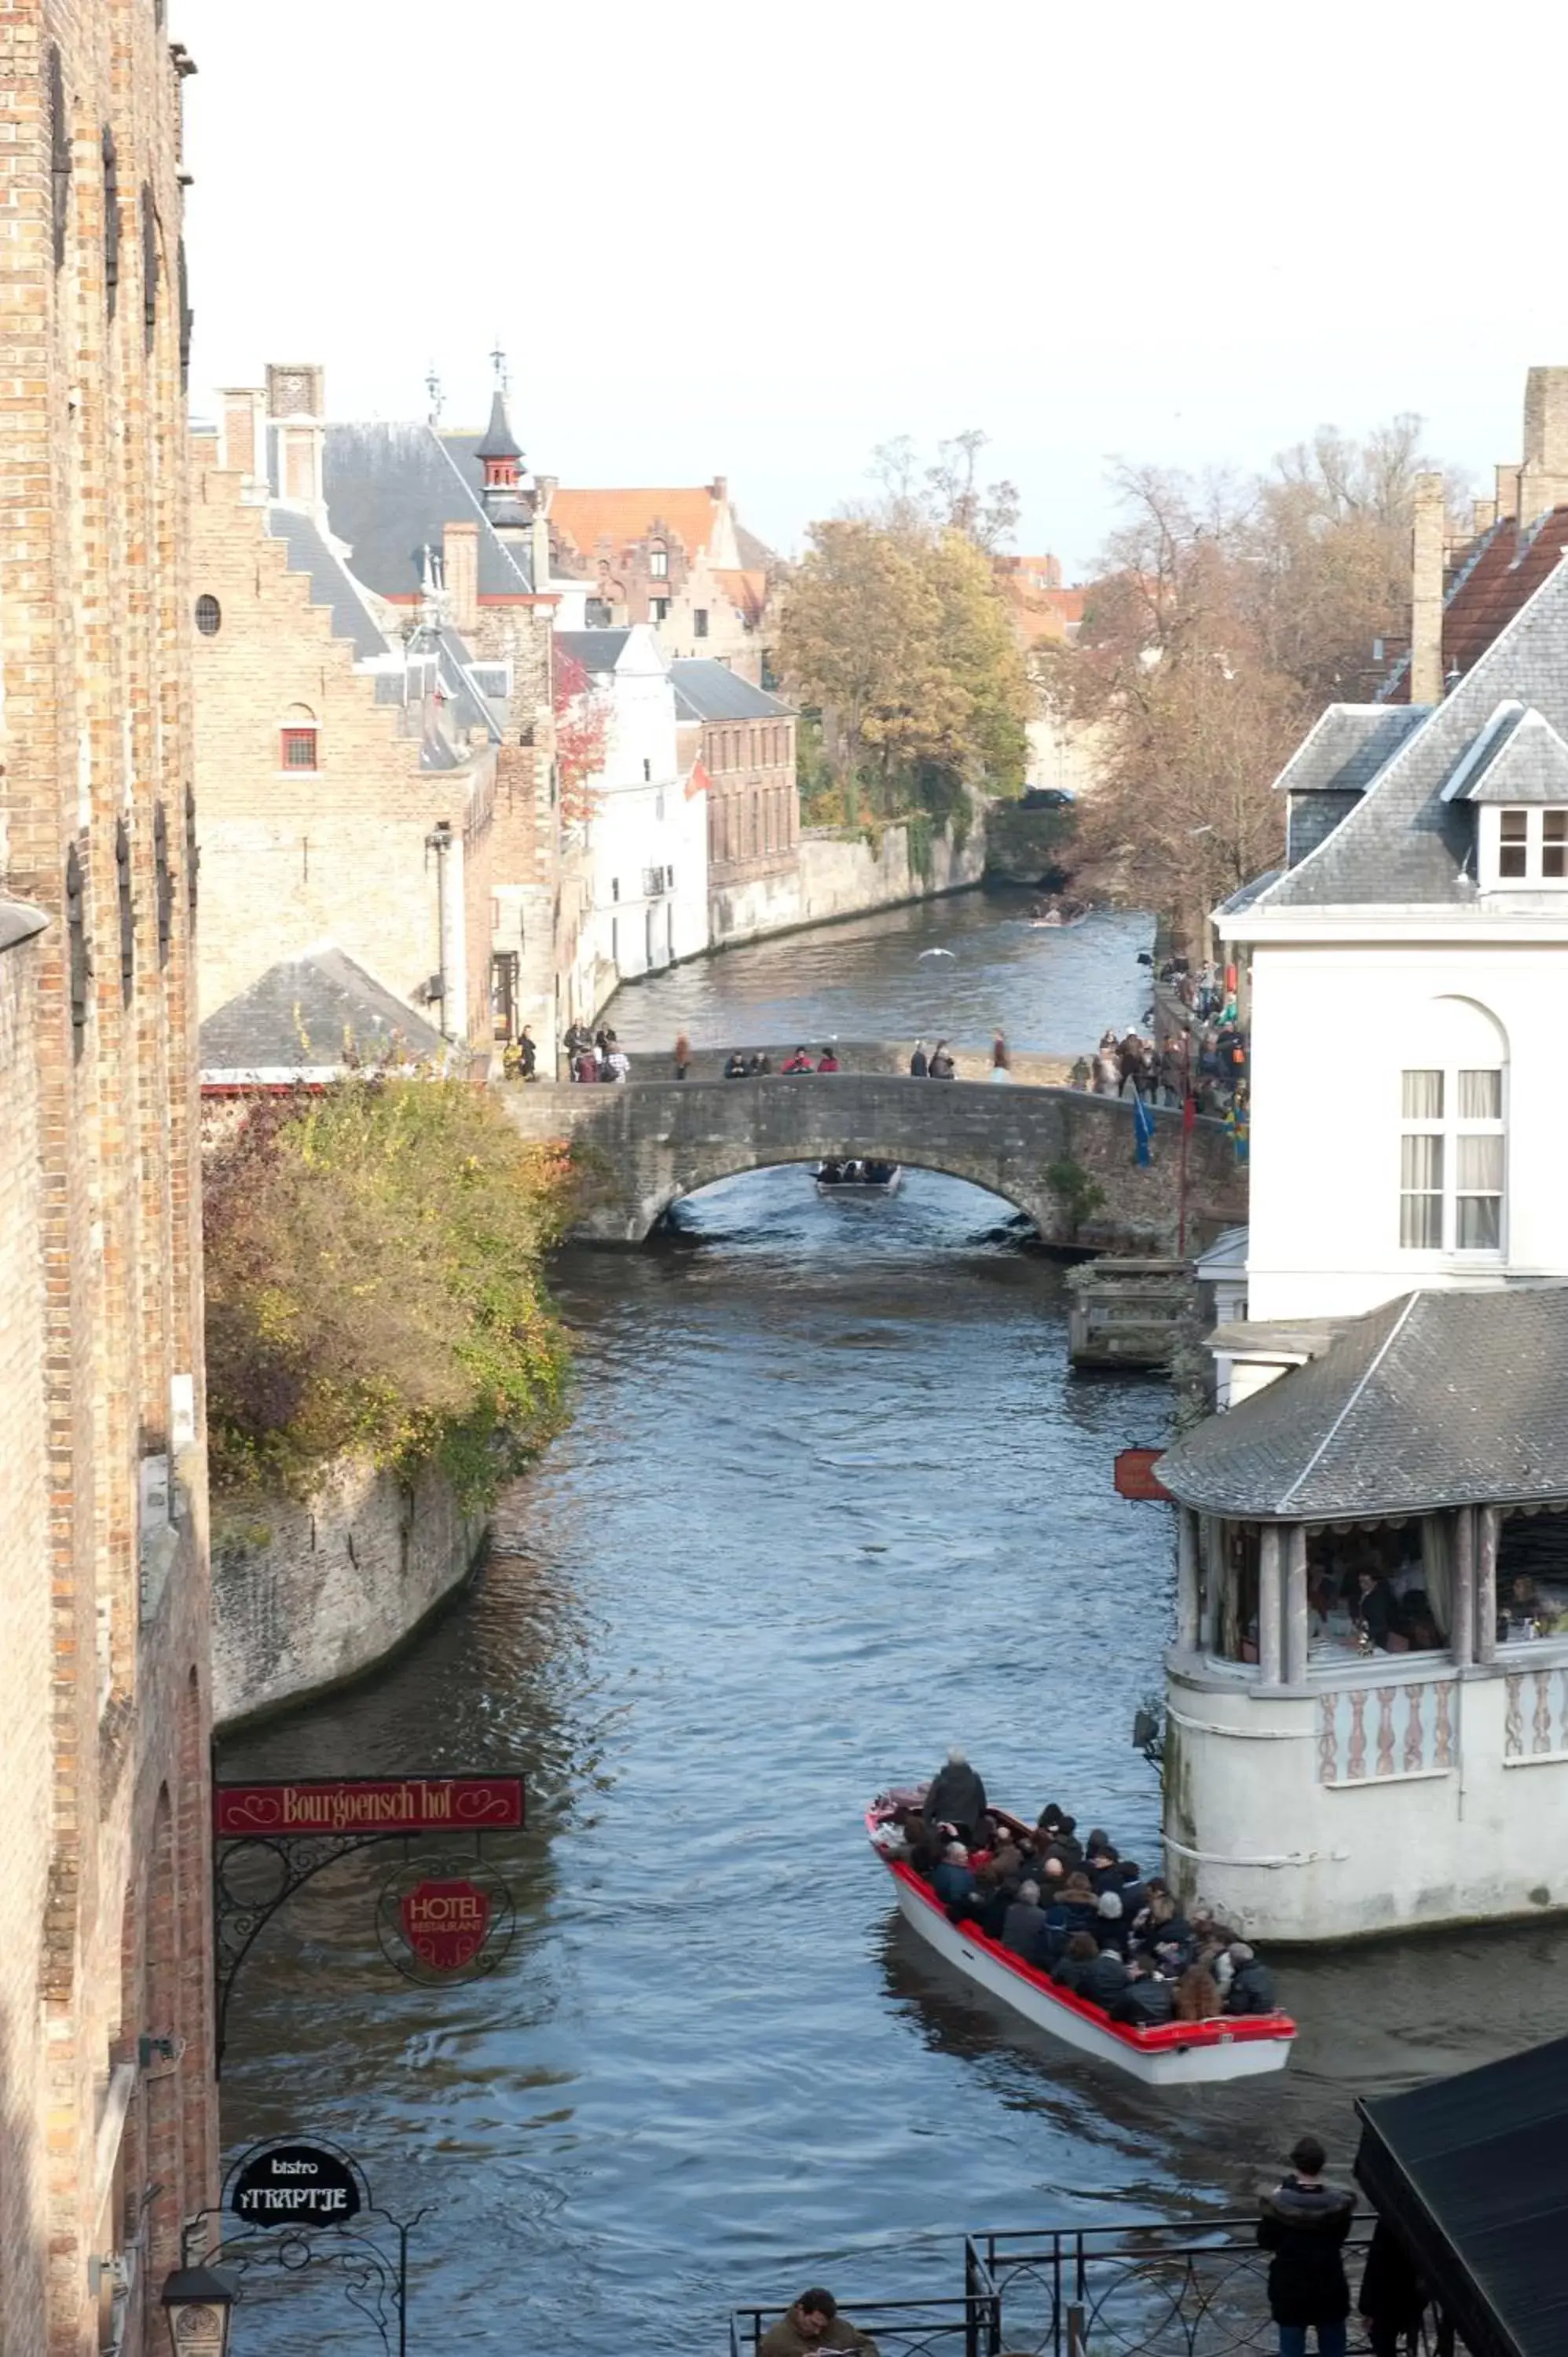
x=1536, y=844
x=658, y=561
x=1451, y=1127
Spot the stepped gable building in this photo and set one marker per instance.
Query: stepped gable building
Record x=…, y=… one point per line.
x=677, y=559
x=741, y=742
x=108, y=2117
x=1365, y=1692
x=374, y=716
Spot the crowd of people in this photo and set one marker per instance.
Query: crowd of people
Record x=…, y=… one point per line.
x=1209, y=1066
x=1073, y=1908
x=594, y=1055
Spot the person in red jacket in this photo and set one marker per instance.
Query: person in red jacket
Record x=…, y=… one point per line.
x=800, y=1061
x=828, y=1062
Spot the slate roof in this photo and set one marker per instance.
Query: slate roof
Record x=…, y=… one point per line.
x=499, y=441
x=1403, y=843
x=1520, y=758
x=390, y=491
x=1436, y=1399
x=705, y=689
x=1348, y=746
x=331, y=584
x=309, y=1014
x=594, y=650
x=501, y=505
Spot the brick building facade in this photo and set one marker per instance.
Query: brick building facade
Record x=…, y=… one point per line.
x=104, y=1864
x=744, y=739
x=678, y=559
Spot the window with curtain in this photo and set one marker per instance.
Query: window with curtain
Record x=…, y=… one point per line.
x=1451, y=1158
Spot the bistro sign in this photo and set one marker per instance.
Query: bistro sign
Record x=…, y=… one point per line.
x=369, y=1805
x=296, y=2185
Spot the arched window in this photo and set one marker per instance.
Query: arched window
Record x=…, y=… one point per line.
x=1452, y=1132
x=209, y=616
x=299, y=748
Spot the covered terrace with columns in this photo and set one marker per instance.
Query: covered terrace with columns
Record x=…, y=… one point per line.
x=1372, y=1624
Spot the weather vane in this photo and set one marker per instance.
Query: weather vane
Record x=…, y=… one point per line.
x=433, y=387
x=498, y=362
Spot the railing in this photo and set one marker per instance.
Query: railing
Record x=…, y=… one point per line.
x=1136, y=2291
x=971, y=2327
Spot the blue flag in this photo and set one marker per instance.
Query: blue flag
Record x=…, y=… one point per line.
x=1143, y=1128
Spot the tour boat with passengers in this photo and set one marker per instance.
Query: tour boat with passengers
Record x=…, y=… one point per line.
x=855, y=1178
x=1177, y=2053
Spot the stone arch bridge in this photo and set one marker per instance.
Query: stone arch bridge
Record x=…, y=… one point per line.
x=649, y=1143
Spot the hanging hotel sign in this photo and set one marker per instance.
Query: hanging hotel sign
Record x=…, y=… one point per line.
x=450, y=1916
x=369, y=1805
x=445, y=1922
x=298, y=2185
x=1135, y=1475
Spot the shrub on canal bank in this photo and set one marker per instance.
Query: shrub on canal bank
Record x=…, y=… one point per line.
x=374, y=1287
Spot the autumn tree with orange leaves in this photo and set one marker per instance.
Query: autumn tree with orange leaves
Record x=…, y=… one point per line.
x=581, y=735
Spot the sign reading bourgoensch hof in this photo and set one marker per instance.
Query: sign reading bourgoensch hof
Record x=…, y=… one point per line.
x=368, y=1804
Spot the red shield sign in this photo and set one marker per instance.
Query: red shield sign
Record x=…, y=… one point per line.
x=444, y=1923
x=1135, y=1475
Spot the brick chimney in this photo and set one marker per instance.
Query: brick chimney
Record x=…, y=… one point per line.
x=296, y=405
x=243, y=433
x=719, y=488
x=1544, y=478
x=460, y=568
x=1426, y=592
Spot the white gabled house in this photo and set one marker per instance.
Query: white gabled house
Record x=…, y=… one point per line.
x=647, y=837
x=1367, y=1695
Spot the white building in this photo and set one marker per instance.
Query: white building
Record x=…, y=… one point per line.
x=647, y=835
x=1400, y=1380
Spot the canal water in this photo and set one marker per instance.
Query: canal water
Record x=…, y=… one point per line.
x=832, y=1500
x=960, y=968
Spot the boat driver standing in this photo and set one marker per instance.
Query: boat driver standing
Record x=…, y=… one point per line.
x=956, y=1797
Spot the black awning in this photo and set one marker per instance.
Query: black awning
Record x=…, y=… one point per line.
x=1472, y=2174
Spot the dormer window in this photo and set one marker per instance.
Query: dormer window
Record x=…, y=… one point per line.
x=1532, y=845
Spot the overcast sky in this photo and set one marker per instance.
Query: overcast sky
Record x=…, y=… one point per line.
x=722, y=238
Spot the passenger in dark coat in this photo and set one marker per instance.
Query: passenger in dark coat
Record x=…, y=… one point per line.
x=1304, y=2222
x=1147, y=2002
x=1392, y=2299
x=1082, y=1953
x=1024, y=1922
x=956, y=1797
x=952, y=1880
x=1251, y=1988
x=1104, y=1980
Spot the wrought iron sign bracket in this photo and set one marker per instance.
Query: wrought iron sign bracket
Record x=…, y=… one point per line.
x=302, y=1828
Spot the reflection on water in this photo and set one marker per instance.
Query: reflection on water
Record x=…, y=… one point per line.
x=880, y=978
x=832, y=1500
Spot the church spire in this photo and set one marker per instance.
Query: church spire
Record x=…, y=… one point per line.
x=500, y=451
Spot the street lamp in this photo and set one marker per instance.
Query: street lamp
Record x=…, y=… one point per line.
x=200, y=2302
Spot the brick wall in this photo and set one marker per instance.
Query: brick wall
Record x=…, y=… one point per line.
x=292, y=859
x=100, y=1275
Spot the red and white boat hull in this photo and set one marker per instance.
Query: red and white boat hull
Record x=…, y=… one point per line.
x=1175, y=2054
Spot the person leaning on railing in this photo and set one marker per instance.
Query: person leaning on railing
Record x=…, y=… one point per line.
x=1304, y=2222
x=814, y=2322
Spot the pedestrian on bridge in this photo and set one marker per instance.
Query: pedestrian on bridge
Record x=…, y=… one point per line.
x=683, y=1055
x=917, y=1062
x=942, y=1066
x=1001, y=1062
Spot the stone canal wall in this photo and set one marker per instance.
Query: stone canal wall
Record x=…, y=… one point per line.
x=843, y=876
x=307, y=1593
x=648, y=1143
